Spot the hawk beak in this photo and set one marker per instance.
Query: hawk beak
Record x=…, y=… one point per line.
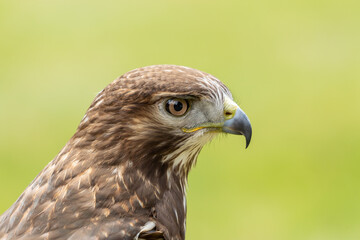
x=239, y=124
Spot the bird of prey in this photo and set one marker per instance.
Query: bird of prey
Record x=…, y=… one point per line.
x=123, y=175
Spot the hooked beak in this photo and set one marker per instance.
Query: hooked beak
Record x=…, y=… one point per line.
x=236, y=122
x=239, y=124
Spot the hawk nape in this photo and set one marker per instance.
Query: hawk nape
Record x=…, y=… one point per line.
x=123, y=174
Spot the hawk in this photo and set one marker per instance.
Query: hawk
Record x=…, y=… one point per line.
x=123, y=175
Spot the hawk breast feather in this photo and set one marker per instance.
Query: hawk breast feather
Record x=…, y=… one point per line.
x=123, y=174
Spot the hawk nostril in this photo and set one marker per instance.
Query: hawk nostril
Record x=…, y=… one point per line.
x=228, y=114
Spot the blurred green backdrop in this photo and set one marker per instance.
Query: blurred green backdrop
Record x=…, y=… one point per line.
x=293, y=66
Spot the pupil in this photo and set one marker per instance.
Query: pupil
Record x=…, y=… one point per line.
x=178, y=106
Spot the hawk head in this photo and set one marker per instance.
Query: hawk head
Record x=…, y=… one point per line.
x=159, y=117
x=123, y=174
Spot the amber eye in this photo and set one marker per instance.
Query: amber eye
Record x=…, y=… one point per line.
x=177, y=106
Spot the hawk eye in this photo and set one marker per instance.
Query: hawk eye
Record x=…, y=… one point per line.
x=177, y=106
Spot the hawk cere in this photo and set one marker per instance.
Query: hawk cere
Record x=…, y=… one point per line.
x=123, y=175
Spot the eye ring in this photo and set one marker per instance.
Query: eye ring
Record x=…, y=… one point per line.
x=177, y=106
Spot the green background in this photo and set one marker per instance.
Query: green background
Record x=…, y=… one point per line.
x=293, y=66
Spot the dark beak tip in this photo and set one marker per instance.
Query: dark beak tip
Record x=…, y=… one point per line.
x=247, y=143
x=248, y=139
